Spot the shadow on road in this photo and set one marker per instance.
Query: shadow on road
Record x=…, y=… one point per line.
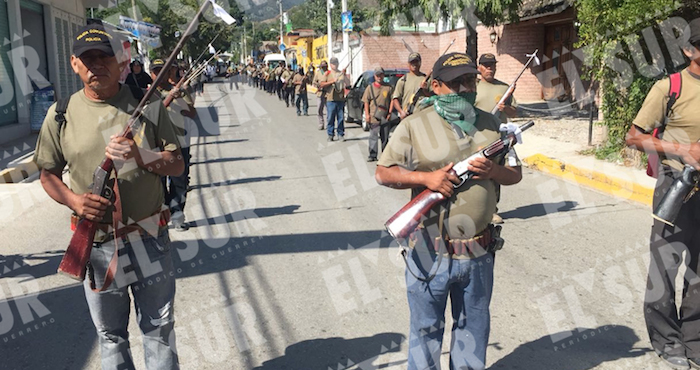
x=236, y=182
x=240, y=215
x=221, y=142
x=59, y=334
x=36, y=265
x=220, y=160
x=539, y=210
x=336, y=353
x=585, y=349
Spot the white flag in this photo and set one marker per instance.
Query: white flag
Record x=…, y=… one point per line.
x=211, y=49
x=221, y=13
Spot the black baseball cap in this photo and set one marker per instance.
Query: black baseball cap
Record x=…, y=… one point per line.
x=157, y=64
x=487, y=59
x=693, y=31
x=450, y=66
x=97, y=36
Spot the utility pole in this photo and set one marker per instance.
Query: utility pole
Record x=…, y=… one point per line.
x=245, y=44
x=329, y=6
x=346, y=37
x=281, y=23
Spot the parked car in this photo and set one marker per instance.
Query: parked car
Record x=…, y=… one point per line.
x=354, y=108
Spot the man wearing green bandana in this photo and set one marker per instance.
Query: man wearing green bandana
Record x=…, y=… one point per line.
x=450, y=253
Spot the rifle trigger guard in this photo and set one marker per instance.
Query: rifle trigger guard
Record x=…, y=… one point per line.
x=463, y=178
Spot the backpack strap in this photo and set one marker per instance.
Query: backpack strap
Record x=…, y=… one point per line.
x=674, y=91
x=61, y=109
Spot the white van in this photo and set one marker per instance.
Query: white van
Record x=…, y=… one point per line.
x=274, y=59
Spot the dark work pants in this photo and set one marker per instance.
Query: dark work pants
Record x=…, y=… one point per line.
x=374, y=139
x=288, y=95
x=278, y=89
x=385, y=130
x=176, y=193
x=670, y=333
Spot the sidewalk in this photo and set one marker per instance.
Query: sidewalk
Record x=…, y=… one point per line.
x=552, y=146
x=16, y=160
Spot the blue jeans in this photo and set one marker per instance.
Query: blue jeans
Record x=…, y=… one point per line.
x=145, y=267
x=335, y=112
x=469, y=283
x=302, y=102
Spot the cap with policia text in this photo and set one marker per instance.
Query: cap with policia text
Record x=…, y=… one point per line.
x=450, y=66
x=157, y=64
x=487, y=59
x=97, y=37
x=413, y=57
x=378, y=71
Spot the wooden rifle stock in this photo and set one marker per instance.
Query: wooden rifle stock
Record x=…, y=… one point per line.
x=405, y=221
x=78, y=252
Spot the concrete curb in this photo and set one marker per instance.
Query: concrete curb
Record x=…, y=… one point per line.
x=597, y=180
x=18, y=172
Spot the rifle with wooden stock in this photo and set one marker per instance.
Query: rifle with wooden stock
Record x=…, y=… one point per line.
x=405, y=221
x=78, y=252
x=511, y=87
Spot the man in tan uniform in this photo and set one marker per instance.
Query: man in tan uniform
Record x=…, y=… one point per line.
x=489, y=92
x=420, y=155
x=404, y=93
x=80, y=138
x=674, y=336
x=318, y=75
x=377, y=95
x=333, y=84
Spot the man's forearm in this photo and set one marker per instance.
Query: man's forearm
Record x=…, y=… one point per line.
x=399, y=178
x=163, y=163
x=507, y=175
x=56, y=188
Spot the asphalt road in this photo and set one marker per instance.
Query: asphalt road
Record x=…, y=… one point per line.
x=287, y=266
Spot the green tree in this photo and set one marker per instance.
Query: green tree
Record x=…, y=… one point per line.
x=616, y=34
x=312, y=15
x=489, y=12
x=173, y=16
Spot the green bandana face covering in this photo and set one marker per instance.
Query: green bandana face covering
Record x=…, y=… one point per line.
x=456, y=108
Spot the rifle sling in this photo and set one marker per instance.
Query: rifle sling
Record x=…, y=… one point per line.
x=116, y=220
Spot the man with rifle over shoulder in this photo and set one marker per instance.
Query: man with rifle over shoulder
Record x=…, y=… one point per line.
x=414, y=82
x=79, y=136
x=420, y=155
x=673, y=106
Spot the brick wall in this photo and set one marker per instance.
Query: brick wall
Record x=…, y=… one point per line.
x=512, y=43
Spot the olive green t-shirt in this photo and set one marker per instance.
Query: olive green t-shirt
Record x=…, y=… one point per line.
x=406, y=87
x=333, y=93
x=299, y=83
x=488, y=94
x=80, y=144
x=182, y=124
x=684, y=123
x=425, y=142
x=375, y=96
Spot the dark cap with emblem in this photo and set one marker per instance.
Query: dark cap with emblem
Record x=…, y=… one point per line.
x=693, y=31
x=450, y=66
x=414, y=57
x=97, y=36
x=157, y=64
x=487, y=59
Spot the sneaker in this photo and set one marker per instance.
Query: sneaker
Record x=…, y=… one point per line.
x=180, y=226
x=676, y=362
x=694, y=362
x=298, y=114
x=496, y=219
x=306, y=114
x=330, y=138
x=372, y=159
x=341, y=137
x=321, y=127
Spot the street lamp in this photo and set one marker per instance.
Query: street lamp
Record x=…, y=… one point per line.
x=493, y=36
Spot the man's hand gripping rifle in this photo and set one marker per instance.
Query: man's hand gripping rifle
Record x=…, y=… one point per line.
x=405, y=221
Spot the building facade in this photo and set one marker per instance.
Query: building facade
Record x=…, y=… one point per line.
x=36, y=47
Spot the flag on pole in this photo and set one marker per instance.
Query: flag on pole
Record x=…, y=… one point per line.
x=221, y=13
x=211, y=49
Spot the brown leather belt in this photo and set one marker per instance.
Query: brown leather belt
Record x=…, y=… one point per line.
x=108, y=233
x=473, y=247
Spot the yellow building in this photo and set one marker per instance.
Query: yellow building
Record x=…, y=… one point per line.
x=304, y=49
x=319, y=50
